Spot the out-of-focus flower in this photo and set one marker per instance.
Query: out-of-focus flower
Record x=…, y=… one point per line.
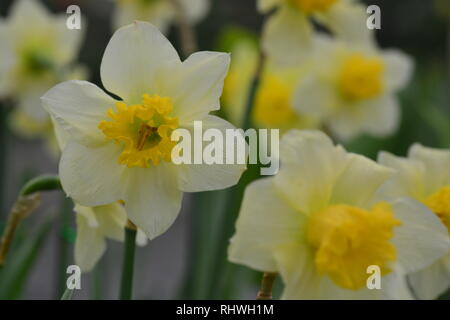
x=94, y=226
x=317, y=224
x=425, y=176
x=35, y=54
x=288, y=34
x=351, y=89
x=273, y=107
x=131, y=138
x=244, y=61
x=160, y=13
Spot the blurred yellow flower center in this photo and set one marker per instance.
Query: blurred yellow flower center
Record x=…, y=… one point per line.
x=439, y=203
x=273, y=103
x=348, y=239
x=310, y=6
x=360, y=77
x=143, y=129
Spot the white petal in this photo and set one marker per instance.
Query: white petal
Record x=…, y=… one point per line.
x=431, y=282
x=348, y=21
x=381, y=116
x=26, y=13
x=265, y=221
x=399, y=69
x=79, y=106
x=310, y=166
x=68, y=41
x=206, y=177
x=196, y=85
x=314, y=98
x=407, y=181
x=359, y=182
x=89, y=245
x=152, y=199
x=287, y=37
x=112, y=219
x=437, y=166
x=92, y=176
x=421, y=239
x=133, y=59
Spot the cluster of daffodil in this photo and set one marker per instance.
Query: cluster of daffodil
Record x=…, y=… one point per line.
x=37, y=51
x=320, y=222
x=340, y=82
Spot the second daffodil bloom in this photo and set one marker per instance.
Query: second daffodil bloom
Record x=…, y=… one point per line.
x=36, y=52
x=160, y=13
x=121, y=150
x=425, y=176
x=94, y=226
x=317, y=224
x=288, y=34
x=352, y=88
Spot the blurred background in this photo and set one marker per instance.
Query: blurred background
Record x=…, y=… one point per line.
x=183, y=263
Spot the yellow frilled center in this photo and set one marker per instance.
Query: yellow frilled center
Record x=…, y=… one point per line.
x=348, y=239
x=361, y=77
x=143, y=129
x=311, y=6
x=439, y=203
x=273, y=103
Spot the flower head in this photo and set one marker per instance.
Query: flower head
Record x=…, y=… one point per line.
x=94, y=226
x=319, y=224
x=119, y=150
x=424, y=176
x=36, y=52
x=288, y=34
x=160, y=13
x=351, y=88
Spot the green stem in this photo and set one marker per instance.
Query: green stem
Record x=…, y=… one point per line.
x=68, y=294
x=41, y=183
x=126, y=287
x=4, y=133
x=64, y=243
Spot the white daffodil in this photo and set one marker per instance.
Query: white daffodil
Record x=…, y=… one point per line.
x=160, y=13
x=37, y=48
x=424, y=176
x=288, y=34
x=317, y=224
x=94, y=226
x=351, y=89
x=121, y=150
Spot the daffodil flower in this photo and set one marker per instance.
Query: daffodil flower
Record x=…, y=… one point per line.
x=424, y=176
x=37, y=49
x=94, y=226
x=273, y=106
x=317, y=224
x=288, y=34
x=121, y=149
x=160, y=13
x=352, y=89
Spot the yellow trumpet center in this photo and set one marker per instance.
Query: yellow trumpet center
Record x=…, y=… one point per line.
x=361, y=77
x=348, y=239
x=439, y=203
x=311, y=6
x=273, y=106
x=144, y=130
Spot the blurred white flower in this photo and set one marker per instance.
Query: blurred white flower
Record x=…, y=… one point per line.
x=160, y=13
x=94, y=226
x=317, y=224
x=121, y=150
x=424, y=176
x=288, y=34
x=35, y=54
x=352, y=89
